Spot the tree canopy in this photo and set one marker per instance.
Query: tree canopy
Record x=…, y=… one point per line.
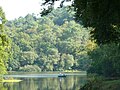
x=4, y=44
x=102, y=15
x=49, y=43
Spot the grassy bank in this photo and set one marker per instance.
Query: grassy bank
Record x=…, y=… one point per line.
x=101, y=83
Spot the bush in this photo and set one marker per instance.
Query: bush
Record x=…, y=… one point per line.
x=106, y=60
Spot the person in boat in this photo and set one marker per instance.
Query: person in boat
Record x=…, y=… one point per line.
x=61, y=75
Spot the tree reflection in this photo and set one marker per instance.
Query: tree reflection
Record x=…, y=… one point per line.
x=68, y=83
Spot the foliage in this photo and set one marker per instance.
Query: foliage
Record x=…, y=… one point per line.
x=102, y=15
x=60, y=15
x=4, y=44
x=106, y=60
x=50, y=42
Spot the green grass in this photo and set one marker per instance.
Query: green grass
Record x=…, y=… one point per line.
x=102, y=83
x=111, y=85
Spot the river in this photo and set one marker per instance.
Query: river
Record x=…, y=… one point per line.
x=45, y=81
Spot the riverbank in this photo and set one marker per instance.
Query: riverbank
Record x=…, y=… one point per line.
x=101, y=83
x=47, y=72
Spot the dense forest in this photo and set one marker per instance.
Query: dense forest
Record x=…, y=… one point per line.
x=86, y=38
x=104, y=17
x=83, y=36
x=50, y=43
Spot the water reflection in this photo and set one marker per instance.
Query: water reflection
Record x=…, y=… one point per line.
x=73, y=82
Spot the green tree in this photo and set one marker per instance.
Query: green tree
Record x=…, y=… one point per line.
x=100, y=14
x=68, y=61
x=60, y=15
x=106, y=60
x=4, y=44
x=27, y=58
x=47, y=41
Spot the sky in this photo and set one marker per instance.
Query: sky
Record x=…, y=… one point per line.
x=16, y=8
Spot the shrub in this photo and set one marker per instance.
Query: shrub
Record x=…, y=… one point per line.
x=106, y=60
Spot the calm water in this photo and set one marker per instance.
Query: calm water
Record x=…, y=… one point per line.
x=45, y=81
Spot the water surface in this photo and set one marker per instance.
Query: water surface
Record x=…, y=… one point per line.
x=45, y=81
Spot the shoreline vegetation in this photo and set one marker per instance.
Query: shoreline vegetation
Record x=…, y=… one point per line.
x=65, y=71
x=101, y=83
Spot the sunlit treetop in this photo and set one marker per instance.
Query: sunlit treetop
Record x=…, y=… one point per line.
x=100, y=14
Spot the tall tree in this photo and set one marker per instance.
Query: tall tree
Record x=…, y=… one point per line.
x=53, y=42
x=103, y=15
x=3, y=44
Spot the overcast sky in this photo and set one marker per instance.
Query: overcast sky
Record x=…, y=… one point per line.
x=16, y=8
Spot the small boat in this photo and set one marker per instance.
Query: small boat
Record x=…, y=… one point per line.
x=61, y=75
